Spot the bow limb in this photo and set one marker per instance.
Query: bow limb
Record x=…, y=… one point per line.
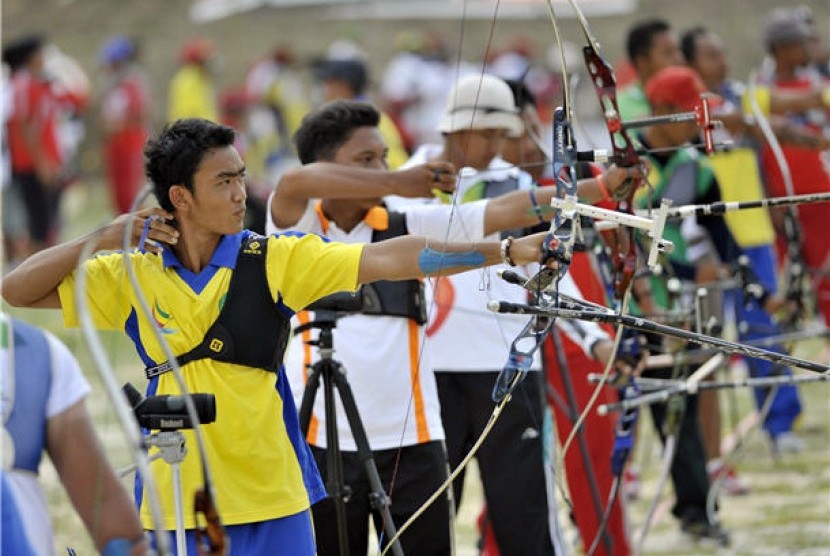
x=624, y=153
x=623, y=444
x=558, y=244
x=126, y=419
x=204, y=502
x=796, y=266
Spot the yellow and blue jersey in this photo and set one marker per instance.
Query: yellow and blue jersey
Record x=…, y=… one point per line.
x=260, y=464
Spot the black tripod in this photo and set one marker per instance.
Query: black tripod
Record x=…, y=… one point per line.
x=334, y=375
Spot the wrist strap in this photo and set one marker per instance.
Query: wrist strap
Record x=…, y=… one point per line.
x=536, y=209
x=505, y=251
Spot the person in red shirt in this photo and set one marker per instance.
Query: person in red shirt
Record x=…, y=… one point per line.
x=125, y=115
x=36, y=158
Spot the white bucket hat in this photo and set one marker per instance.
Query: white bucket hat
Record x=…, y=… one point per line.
x=481, y=102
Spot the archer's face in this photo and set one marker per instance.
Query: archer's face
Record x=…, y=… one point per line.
x=710, y=60
x=476, y=148
x=366, y=149
x=796, y=54
x=217, y=203
x=664, y=52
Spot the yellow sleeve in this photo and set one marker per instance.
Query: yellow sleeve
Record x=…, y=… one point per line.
x=303, y=269
x=762, y=96
x=107, y=297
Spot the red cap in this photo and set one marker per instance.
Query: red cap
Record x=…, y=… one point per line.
x=196, y=51
x=678, y=86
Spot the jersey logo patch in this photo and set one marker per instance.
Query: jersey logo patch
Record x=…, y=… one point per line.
x=162, y=319
x=253, y=248
x=216, y=345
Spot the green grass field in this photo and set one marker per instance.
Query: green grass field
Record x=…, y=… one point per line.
x=788, y=511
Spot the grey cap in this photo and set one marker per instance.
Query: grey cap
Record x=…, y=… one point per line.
x=785, y=26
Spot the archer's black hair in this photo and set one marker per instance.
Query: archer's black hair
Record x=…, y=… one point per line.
x=688, y=42
x=174, y=156
x=325, y=130
x=641, y=37
x=18, y=52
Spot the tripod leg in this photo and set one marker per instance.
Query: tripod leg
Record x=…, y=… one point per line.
x=307, y=404
x=379, y=501
x=334, y=476
x=335, y=482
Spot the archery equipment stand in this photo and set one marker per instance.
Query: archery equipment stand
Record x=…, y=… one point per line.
x=172, y=450
x=334, y=376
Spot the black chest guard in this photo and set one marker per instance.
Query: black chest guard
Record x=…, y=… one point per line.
x=250, y=329
x=399, y=298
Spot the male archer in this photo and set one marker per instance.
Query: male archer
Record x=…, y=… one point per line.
x=223, y=298
x=337, y=193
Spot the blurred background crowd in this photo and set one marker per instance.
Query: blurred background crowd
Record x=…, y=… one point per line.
x=95, y=91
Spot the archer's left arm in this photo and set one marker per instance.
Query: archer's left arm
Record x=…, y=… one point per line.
x=406, y=257
x=522, y=209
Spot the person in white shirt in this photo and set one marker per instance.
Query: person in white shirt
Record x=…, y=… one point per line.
x=467, y=345
x=337, y=193
x=43, y=410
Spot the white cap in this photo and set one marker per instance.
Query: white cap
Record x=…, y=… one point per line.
x=481, y=102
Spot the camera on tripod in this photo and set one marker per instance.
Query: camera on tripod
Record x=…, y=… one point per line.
x=169, y=413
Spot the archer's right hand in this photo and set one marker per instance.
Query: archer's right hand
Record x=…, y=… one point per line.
x=423, y=179
x=161, y=230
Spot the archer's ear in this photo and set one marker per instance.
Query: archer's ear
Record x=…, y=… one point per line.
x=179, y=197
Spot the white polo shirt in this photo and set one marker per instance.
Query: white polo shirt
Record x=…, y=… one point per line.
x=463, y=335
x=384, y=357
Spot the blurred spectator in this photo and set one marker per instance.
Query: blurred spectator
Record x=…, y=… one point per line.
x=72, y=88
x=37, y=159
x=234, y=107
x=278, y=101
x=513, y=62
x=739, y=177
x=349, y=80
x=15, y=235
x=416, y=84
x=787, y=39
x=651, y=46
x=819, y=52
x=125, y=117
x=192, y=90
x=400, y=80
